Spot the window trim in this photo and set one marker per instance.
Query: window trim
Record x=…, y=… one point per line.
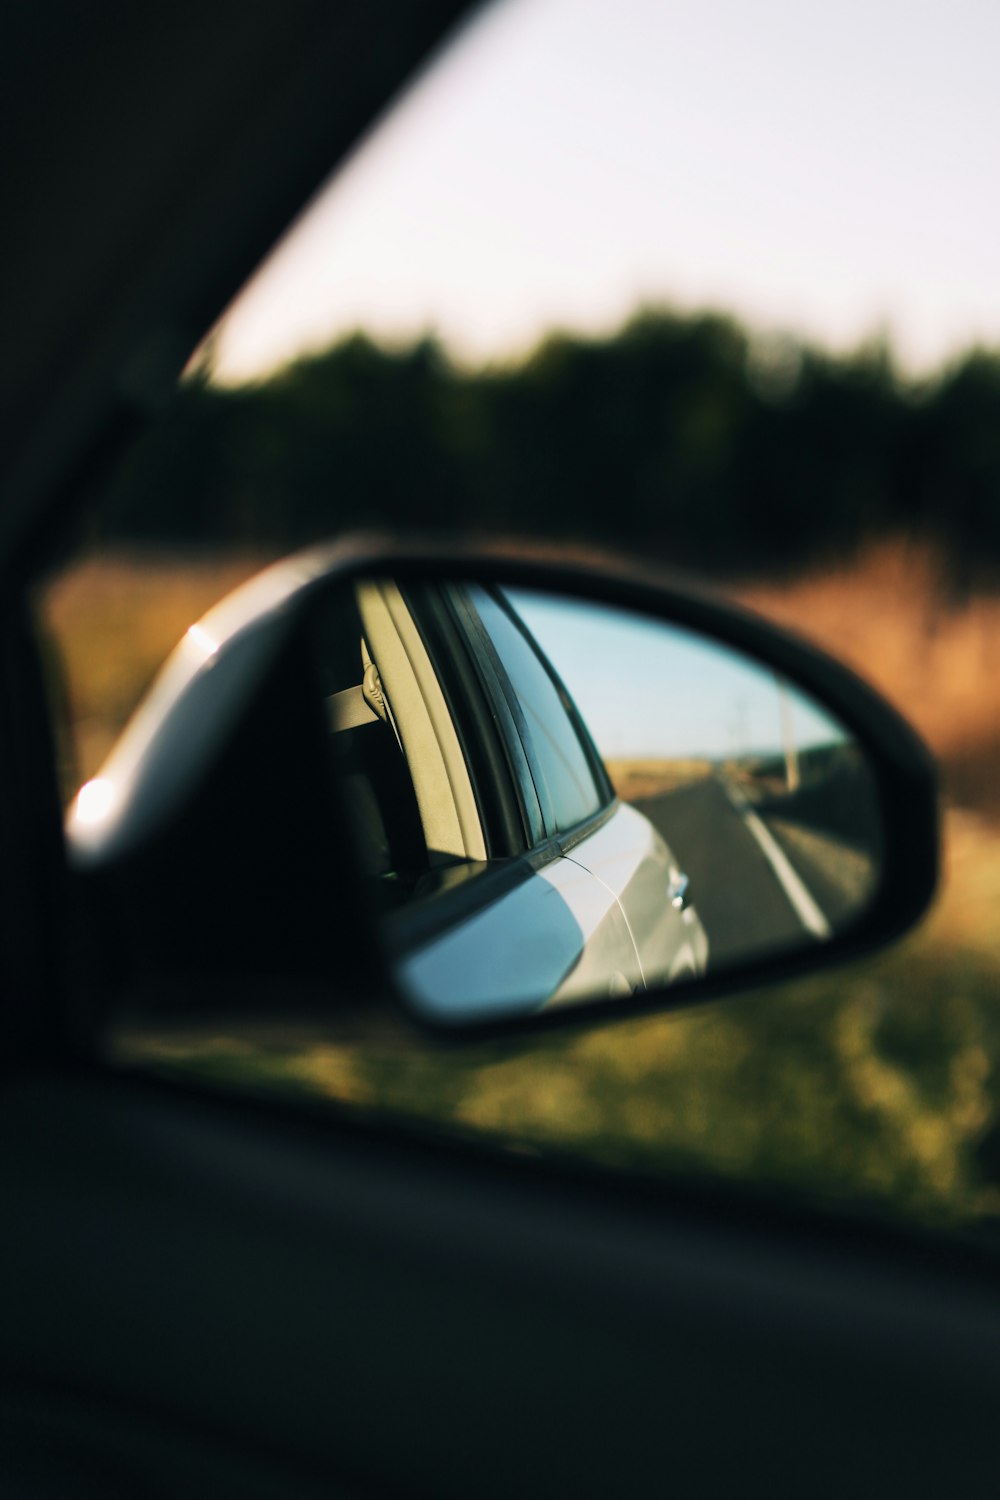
x=486, y=649
x=494, y=783
x=498, y=693
x=448, y=807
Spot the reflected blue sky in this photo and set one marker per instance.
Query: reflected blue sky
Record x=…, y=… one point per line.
x=649, y=689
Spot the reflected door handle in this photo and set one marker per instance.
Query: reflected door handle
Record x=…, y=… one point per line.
x=677, y=891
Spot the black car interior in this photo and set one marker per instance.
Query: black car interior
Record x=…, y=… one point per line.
x=367, y=759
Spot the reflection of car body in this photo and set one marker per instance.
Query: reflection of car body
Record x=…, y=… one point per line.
x=515, y=874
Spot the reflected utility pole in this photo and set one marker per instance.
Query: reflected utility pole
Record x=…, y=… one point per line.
x=788, y=737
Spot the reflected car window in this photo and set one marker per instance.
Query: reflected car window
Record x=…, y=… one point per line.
x=566, y=781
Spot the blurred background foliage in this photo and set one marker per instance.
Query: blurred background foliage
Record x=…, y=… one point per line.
x=833, y=494
x=683, y=437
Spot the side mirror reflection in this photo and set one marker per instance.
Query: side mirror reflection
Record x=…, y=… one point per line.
x=559, y=802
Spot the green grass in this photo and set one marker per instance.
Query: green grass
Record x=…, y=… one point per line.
x=877, y=1082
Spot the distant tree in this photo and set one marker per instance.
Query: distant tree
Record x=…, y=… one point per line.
x=682, y=436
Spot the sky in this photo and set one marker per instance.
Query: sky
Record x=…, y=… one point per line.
x=827, y=172
x=647, y=689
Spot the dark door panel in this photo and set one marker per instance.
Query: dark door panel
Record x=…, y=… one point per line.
x=440, y=1321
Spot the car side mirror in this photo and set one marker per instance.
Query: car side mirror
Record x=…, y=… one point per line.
x=499, y=790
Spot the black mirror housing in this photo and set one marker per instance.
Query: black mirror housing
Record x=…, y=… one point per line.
x=217, y=847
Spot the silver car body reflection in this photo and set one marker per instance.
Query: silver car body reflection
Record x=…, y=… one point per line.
x=590, y=911
x=588, y=925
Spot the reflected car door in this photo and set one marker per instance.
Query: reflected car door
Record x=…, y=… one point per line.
x=533, y=925
x=617, y=845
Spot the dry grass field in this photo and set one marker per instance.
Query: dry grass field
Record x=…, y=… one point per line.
x=112, y=621
x=633, y=779
x=890, y=617
x=880, y=1085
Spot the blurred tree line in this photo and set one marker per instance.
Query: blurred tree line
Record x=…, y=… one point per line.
x=686, y=438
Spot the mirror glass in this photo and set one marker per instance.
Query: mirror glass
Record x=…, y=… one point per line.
x=560, y=802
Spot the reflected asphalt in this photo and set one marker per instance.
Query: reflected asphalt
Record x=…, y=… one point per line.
x=739, y=899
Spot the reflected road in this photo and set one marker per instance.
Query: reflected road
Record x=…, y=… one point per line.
x=740, y=899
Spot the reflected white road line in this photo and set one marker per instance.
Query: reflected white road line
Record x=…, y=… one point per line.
x=791, y=882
